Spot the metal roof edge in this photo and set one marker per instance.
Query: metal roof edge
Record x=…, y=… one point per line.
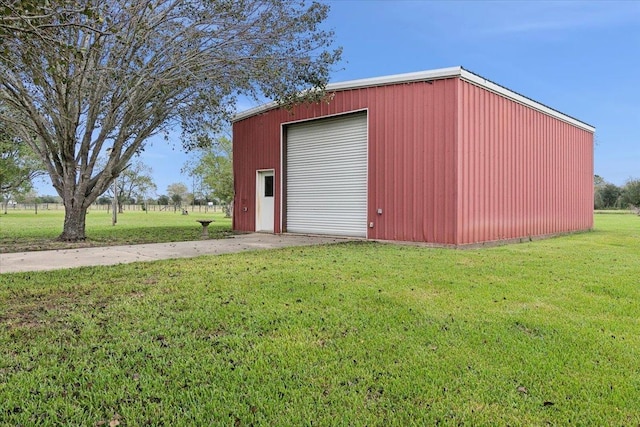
x=515, y=96
x=436, y=74
x=439, y=73
x=254, y=111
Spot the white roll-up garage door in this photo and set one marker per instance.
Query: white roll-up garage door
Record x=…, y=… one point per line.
x=326, y=177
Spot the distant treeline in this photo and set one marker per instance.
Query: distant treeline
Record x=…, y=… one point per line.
x=610, y=196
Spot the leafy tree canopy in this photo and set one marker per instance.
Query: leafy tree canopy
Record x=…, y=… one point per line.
x=630, y=194
x=213, y=167
x=178, y=193
x=163, y=200
x=608, y=195
x=134, y=183
x=18, y=165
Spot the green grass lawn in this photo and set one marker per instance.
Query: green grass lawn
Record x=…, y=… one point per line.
x=541, y=333
x=26, y=231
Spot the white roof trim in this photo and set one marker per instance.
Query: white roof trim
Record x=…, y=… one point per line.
x=440, y=73
x=493, y=87
x=361, y=83
x=254, y=111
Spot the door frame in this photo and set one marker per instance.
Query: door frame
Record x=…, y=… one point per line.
x=260, y=173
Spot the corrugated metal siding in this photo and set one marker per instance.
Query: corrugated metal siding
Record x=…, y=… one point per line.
x=521, y=172
x=449, y=162
x=256, y=145
x=326, y=178
x=412, y=166
x=413, y=175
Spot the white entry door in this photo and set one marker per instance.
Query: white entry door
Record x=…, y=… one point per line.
x=265, y=206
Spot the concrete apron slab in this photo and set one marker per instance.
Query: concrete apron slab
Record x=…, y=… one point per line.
x=112, y=255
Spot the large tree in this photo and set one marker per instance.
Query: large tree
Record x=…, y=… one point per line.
x=84, y=76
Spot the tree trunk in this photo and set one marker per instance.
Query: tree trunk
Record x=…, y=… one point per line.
x=74, y=223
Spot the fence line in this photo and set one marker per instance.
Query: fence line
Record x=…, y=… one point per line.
x=96, y=207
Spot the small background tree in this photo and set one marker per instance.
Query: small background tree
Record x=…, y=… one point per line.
x=606, y=194
x=177, y=193
x=630, y=195
x=163, y=200
x=213, y=166
x=134, y=184
x=18, y=167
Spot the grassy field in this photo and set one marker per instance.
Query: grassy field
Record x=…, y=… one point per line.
x=26, y=231
x=542, y=333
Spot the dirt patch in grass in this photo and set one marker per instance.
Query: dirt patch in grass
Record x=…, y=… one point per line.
x=33, y=311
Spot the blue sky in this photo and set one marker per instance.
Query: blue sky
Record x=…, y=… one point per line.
x=581, y=58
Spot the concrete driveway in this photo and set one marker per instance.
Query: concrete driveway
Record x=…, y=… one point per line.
x=111, y=255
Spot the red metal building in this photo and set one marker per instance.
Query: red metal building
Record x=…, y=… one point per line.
x=442, y=156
